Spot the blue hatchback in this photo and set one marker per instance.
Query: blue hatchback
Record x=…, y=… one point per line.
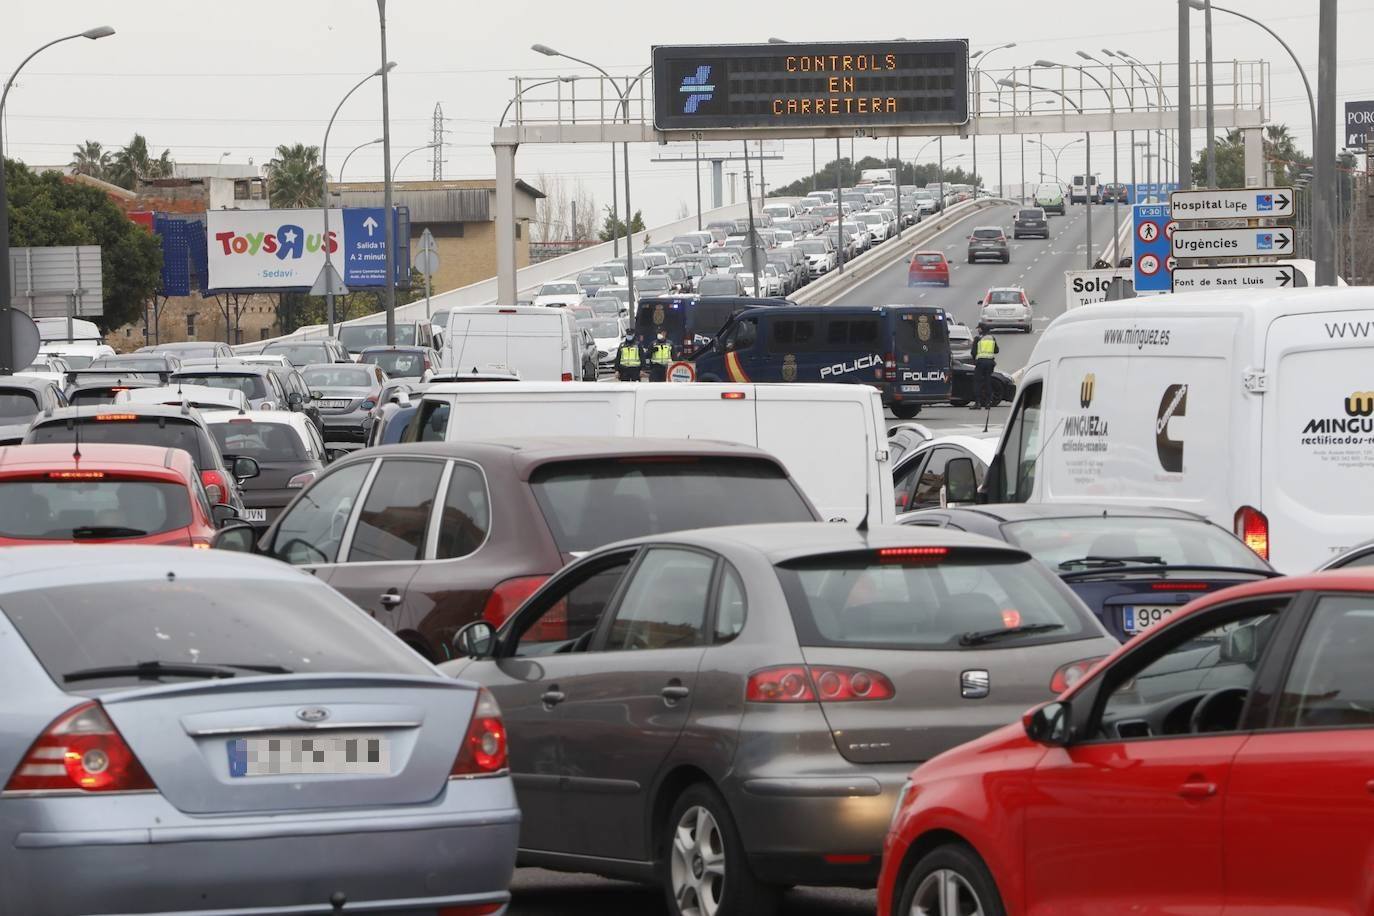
x=1133, y=566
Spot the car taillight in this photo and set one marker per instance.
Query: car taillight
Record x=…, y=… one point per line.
x=912, y=554
x=1179, y=586
x=302, y=479
x=509, y=595
x=483, y=751
x=215, y=479
x=802, y=684
x=1066, y=676
x=80, y=751
x=1252, y=527
x=369, y=404
x=567, y=376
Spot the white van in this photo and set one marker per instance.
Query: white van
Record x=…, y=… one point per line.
x=534, y=342
x=1084, y=188
x=831, y=438
x=780, y=211
x=1254, y=408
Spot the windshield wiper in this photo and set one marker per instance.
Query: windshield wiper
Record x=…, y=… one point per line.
x=86, y=532
x=1113, y=562
x=978, y=637
x=155, y=670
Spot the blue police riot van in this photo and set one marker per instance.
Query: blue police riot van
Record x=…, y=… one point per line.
x=691, y=322
x=902, y=350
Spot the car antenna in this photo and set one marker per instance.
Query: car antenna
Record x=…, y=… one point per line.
x=76, y=433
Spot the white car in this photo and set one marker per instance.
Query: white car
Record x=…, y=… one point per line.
x=918, y=477
x=772, y=281
x=48, y=367
x=77, y=355
x=560, y=293
x=1005, y=307
x=960, y=341
x=201, y=397
x=608, y=333
x=875, y=223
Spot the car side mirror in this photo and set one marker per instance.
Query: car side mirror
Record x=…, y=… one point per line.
x=334, y=454
x=222, y=514
x=246, y=469
x=236, y=535
x=1048, y=724
x=295, y=400
x=475, y=640
x=1240, y=646
x=315, y=396
x=961, y=484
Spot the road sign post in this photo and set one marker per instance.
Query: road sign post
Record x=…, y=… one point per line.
x=427, y=263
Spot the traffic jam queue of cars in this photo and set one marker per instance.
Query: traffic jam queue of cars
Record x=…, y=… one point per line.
x=725, y=638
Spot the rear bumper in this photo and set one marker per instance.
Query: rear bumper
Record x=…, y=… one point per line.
x=344, y=428
x=141, y=855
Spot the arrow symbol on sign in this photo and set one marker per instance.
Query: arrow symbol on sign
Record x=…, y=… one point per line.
x=1281, y=201
x=1282, y=240
x=370, y=225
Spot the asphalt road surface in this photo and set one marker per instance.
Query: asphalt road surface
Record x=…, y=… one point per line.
x=536, y=892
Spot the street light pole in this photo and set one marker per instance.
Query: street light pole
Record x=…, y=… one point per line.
x=396, y=171
x=1184, y=160
x=390, y=234
x=350, y=156
x=7, y=359
x=978, y=110
x=1211, y=110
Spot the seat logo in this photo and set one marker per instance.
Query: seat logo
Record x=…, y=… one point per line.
x=312, y=714
x=697, y=86
x=1174, y=403
x=975, y=684
x=1086, y=391
x=1360, y=404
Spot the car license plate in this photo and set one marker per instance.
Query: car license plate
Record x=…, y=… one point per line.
x=911, y=388
x=327, y=754
x=1137, y=618
x=334, y=403
x=255, y=515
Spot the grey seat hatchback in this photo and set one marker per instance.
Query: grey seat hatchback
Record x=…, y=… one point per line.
x=730, y=711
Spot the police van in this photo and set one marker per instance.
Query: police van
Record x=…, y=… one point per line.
x=1254, y=409
x=691, y=322
x=902, y=350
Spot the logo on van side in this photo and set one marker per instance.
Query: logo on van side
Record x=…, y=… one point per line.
x=1174, y=403
x=789, y=368
x=1360, y=404
x=1086, y=390
x=863, y=362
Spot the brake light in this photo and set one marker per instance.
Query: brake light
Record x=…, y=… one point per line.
x=213, y=478
x=567, y=376
x=1252, y=527
x=241, y=420
x=1067, y=675
x=75, y=475
x=104, y=417
x=509, y=595
x=732, y=395
x=905, y=554
x=505, y=311
x=1179, y=586
x=80, y=751
x=800, y=684
x=483, y=751
x=300, y=480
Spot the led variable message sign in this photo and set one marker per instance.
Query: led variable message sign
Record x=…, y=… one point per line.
x=833, y=84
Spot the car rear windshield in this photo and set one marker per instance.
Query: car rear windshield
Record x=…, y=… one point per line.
x=262, y=441
x=253, y=386
x=17, y=406
x=930, y=259
x=917, y=331
x=1031, y=214
x=558, y=289
x=67, y=510
x=167, y=432
x=338, y=377
x=1082, y=543
x=398, y=364
x=987, y=233
x=303, y=628
x=718, y=286
x=1004, y=297
x=888, y=599
x=358, y=337
x=74, y=361
x=304, y=354
x=591, y=503
x=127, y=364
x=92, y=396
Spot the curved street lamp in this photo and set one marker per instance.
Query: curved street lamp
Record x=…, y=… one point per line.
x=397, y=170
x=985, y=54
x=354, y=150
x=523, y=89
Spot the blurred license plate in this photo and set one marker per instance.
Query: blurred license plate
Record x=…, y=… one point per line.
x=327, y=754
x=911, y=388
x=255, y=515
x=1136, y=618
x=334, y=403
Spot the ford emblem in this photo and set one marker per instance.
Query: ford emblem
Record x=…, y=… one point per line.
x=312, y=714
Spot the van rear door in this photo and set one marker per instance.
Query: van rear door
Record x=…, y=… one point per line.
x=1318, y=436
x=530, y=344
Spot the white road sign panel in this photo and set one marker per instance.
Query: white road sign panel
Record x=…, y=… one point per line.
x=1232, y=203
x=1246, y=276
x=1233, y=243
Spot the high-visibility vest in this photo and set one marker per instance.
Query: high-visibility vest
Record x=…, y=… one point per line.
x=987, y=348
x=663, y=353
x=629, y=355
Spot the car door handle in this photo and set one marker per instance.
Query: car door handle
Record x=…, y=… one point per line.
x=553, y=697
x=390, y=598
x=674, y=692
x=1197, y=790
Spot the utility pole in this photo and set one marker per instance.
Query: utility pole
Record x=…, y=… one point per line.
x=1324, y=149
x=437, y=138
x=390, y=234
x=1211, y=110
x=839, y=210
x=1185, y=101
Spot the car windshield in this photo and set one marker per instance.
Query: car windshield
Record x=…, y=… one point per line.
x=1176, y=541
x=337, y=377
x=930, y=259
x=932, y=600
x=288, y=627
x=252, y=386
x=811, y=246
x=594, y=277
x=185, y=352
x=558, y=289
x=601, y=328
x=17, y=406
x=263, y=441
x=358, y=337
x=609, y=307
x=74, y=361
x=130, y=429
x=66, y=510
x=718, y=286
x=1004, y=297
x=398, y=363
x=131, y=364
x=303, y=354
x=987, y=233
x=591, y=503
x=653, y=282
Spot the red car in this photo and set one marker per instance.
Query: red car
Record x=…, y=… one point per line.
x=1220, y=762
x=928, y=268
x=102, y=494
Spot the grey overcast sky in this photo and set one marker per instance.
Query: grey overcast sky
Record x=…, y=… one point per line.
x=204, y=78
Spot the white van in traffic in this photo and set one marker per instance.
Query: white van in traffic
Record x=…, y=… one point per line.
x=1255, y=409
x=831, y=438
x=534, y=342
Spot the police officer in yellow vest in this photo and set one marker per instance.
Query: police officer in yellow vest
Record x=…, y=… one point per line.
x=984, y=361
x=629, y=359
x=660, y=356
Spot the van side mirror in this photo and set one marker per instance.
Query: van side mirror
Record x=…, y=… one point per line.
x=1048, y=724
x=475, y=640
x=961, y=483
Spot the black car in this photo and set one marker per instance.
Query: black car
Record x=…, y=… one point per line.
x=289, y=452
x=1133, y=566
x=962, y=391
x=1030, y=222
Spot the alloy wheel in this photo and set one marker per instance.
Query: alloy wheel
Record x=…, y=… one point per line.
x=698, y=863
x=946, y=893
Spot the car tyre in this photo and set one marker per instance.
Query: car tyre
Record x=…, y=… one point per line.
x=905, y=411
x=705, y=869
x=949, y=870
x=957, y=402
x=1006, y=259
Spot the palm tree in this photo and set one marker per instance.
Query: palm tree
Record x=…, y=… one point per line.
x=134, y=163
x=295, y=176
x=90, y=158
